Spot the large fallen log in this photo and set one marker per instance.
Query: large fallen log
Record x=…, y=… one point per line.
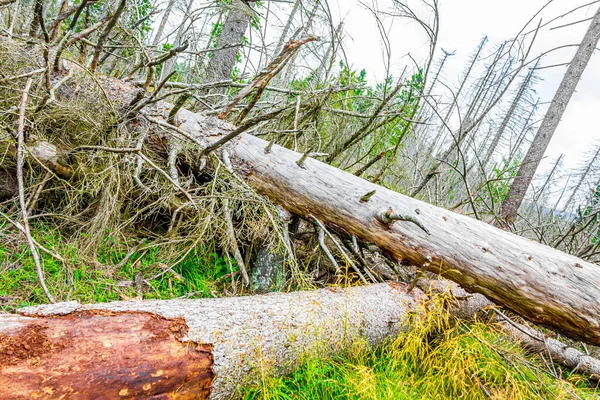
x=212, y=348
x=538, y=282
x=165, y=349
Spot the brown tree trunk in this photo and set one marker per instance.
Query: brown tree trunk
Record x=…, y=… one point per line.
x=561, y=99
x=101, y=354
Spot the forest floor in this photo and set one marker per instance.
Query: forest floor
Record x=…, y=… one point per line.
x=439, y=358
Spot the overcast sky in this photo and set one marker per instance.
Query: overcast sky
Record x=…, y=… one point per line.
x=463, y=23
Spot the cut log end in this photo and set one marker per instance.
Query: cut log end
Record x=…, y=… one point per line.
x=98, y=354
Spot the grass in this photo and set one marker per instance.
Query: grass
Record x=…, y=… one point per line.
x=438, y=358
x=100, y=281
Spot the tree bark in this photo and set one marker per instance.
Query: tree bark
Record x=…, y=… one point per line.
x=235, y=26
x=540, y=283
x=557, y=108
x=101, y=354
x=165, y=349
x=212, y=348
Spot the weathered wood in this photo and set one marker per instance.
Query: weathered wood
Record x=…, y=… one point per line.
x=249, y=337
x=540, y=283
x=93, y=355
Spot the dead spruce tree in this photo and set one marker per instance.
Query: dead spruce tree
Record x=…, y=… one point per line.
x=559, y=104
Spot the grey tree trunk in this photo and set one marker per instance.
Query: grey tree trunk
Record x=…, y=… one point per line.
x=524, y=130
x=287, y=27
x=211, y=348
x=561, y=99
x=163, y=23
x=549, y=178
x=540, y=283
x=446, y=120
x=466, y=125
x=169, y=65
x=582, y=178
x=235, y=26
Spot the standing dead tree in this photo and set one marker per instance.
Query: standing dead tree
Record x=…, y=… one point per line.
x=559, y=104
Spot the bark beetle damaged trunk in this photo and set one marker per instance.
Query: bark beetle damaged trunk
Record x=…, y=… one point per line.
x=94, y=355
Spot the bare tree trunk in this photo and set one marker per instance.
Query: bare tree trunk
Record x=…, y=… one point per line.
x=328, y=59
x=508, y=269
x=540, y=283
x=439, y=70
x=561, y=99
x=507, y=119
x=235, y=26
x=549, y=178
x=453, y=104
x=287, y=27
x=582, y=178
x=523, y=133
x=104, y=36
x=163, y=23
x=465, y=127
x=169, y=65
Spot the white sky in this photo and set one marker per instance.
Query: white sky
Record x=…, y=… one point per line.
x=463, y=23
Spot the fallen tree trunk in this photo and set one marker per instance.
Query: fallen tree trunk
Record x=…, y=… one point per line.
x=165, y=349
x=94, y=354
x=538, y=282
x=212, y=348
